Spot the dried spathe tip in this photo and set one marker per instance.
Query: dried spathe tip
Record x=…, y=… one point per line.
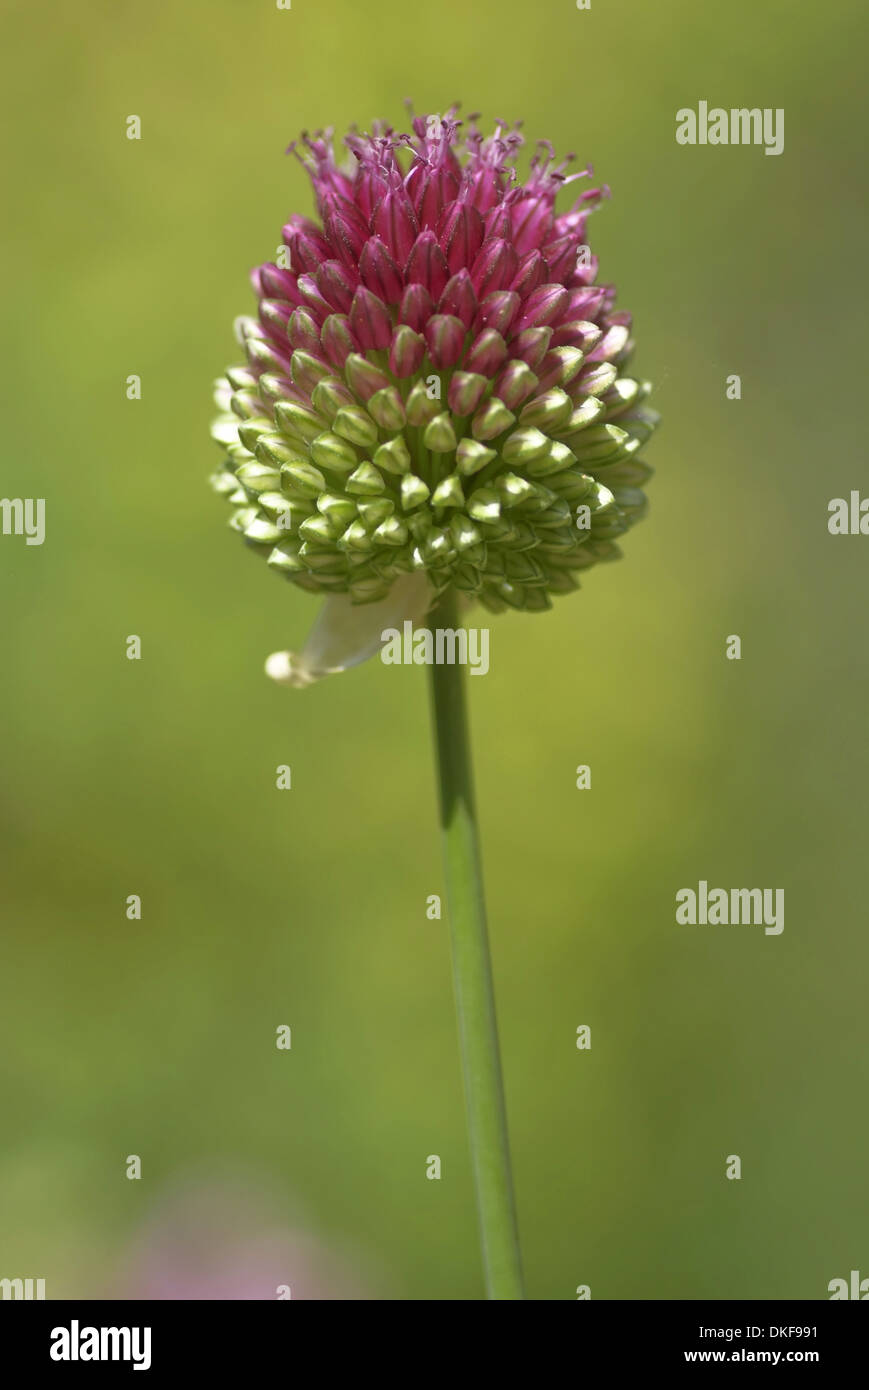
x=346, y=633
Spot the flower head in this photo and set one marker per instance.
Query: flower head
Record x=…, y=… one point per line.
x=435, y=385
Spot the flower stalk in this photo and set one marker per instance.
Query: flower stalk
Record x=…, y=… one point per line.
x=472, y=974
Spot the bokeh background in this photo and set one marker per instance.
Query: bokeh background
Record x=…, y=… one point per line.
x=307, y=907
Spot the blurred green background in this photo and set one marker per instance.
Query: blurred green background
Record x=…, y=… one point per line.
x=307, y=907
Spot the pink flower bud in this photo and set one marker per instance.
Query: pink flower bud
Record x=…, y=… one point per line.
x=494, y=266
x=379, y=272
x=307, y=245
x=370, y=321
x=427, y=265
x=459, y=299
x=532, y=223
x=544, y=305
x=531, y=273
x=460, y=233
x=431, y=189
x=337, y=284
x=337, y=339
x=445, y=336
x=346, y=229
x=417, y=306
x=487, y=353
x=303, y=330
x=531, y=346
x=313, y=300
x=406, y=352
x=498, y=310
x=394, y=221
x=271, y=282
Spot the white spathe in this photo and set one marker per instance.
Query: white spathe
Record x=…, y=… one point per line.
x=346, y=634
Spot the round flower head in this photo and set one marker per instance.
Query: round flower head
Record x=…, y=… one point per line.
x=436, y=391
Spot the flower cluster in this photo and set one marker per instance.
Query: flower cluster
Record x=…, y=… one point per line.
x=435, y=383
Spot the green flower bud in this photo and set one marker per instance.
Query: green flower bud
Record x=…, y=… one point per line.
x=355, y=424
x=393, y=457
x=492, y=419
x=448, y=493
x=333, y=453
x=439, y=435
x=296, y=420
x=413, y=492
x=302, y=480
x=387, y=409
x=329, y=396
x=471, y=456
x=366, y=481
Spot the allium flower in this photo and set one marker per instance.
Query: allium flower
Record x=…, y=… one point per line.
x=436, y=391
x=435, y=410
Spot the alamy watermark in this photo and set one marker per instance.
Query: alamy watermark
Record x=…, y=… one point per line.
x=738, y=126
x=855, y=1288
x=76, y=1343
x=22, y=1288
x=445, y=646
x=849, y=516
x=23, y=516
x=731, y=907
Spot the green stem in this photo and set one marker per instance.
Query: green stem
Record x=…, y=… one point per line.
x=472, y=973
